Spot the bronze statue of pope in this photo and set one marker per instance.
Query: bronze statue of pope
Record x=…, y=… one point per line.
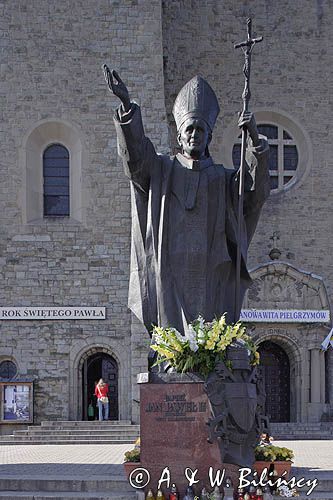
x=184, y=211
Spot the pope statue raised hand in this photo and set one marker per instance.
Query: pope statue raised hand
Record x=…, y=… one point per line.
x=184, y=211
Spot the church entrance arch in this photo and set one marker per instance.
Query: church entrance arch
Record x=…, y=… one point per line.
x=96, y=366
x=278, y=286
x=275, y=369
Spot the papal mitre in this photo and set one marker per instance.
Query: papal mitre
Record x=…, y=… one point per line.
x=196, y=99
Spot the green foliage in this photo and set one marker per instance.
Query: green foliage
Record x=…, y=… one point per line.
x=132, y=455
x=273, y=454
x=203, y=345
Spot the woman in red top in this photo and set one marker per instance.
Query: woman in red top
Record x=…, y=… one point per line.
x=101, y=391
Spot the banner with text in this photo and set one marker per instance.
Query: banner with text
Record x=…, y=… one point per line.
x=285, y=316
x=52, y=313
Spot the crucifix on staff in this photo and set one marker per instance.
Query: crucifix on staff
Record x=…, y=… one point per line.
x=247, y=47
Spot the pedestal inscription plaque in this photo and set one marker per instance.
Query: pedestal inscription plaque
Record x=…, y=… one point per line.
x=174, y=413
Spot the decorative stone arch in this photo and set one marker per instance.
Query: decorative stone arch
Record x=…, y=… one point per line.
x=37, y=139
x=78, y=354
x=278, y=285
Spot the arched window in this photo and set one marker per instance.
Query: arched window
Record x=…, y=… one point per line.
x=42, y=136
x=8, y=369
x=291, y=155
x=56, y=181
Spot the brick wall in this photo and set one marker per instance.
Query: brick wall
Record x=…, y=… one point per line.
x=290, y=74
x=51, y=55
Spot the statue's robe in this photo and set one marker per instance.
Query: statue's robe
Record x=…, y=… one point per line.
x=184, y=228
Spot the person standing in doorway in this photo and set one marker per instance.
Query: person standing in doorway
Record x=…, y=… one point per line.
x=101, y=392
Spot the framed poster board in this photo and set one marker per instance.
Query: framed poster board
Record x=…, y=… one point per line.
x=16, y=402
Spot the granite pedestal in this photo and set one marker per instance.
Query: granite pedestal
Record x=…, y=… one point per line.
x=173, y=429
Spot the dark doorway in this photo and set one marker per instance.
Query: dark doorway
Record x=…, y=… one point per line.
x=275, y=368
x=100, y=365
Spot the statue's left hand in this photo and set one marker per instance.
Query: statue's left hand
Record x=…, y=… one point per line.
x=247, y=120
x=117, y=86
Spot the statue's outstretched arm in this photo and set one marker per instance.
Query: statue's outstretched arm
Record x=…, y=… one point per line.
x=135, y=149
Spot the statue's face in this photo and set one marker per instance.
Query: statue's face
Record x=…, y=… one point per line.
x=194, y=136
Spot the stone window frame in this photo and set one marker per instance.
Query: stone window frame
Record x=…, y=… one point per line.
x=40, y=136
x=283, y=121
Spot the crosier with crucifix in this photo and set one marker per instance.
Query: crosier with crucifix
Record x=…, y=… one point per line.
x=247, y=47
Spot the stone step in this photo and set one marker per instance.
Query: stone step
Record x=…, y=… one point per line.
x=36, y=495
x=298, y=425
x=325, y=481
x=296, y=430
x=97, y=425
x=302, y=437
x=110, y=496
x=316, y=496
x=67, y=484
x=299, y=429
x=97, y=437
x=40, y=441
x=302, y=431
x=79, y=423
x=78, y=432
x=67, y=432
x=305, y=425
x=130, y=430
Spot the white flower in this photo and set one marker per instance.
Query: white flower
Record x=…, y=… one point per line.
x=179, y=336
x=201, y=336
x=156, y=338
x=201, y=321
x=190, y=335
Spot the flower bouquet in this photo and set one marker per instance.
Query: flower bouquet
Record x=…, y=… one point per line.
x=202, y=346
x=287, y=492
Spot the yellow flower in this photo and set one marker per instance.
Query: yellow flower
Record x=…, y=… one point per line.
x=222, y=321
x=175, y=343
x=168, y=354
x=164, y=351
x=210, y=345
x=221, y=346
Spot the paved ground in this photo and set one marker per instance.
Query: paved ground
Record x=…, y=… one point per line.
x=313, y=459
x=88, y=461
x=97, y=460
x=311, y=455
